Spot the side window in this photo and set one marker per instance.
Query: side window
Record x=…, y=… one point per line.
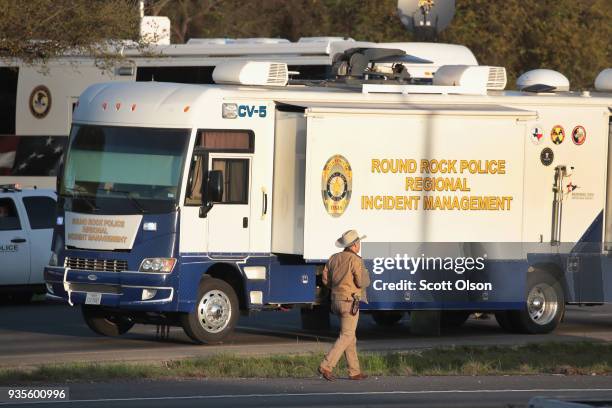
x=226, y=141
x=41, y=211
x=236, y=179
x=9, y=219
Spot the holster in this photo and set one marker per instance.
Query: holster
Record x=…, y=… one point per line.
x=355, y=304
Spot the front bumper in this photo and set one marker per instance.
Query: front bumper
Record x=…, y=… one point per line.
x=118, y=289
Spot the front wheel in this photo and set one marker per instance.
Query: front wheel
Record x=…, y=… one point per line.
x=544, y=306
x=216, y=312
x=106, y=323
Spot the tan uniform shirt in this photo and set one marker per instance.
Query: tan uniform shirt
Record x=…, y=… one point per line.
x=345, y=274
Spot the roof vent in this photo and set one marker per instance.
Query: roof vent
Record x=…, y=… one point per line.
x=471, y=76
x=543, y=80
x=603, y=82
x=497, y=78
x=251, y=73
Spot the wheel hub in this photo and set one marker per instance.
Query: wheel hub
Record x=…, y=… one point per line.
x=542, y=303
x=214, y=311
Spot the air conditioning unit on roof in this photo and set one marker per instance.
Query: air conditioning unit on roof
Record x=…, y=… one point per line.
x=471, y=76
x=251, y=73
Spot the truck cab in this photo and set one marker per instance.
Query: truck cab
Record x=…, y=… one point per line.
x=136, y=228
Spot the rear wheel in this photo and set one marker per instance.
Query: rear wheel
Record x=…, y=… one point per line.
x=216, y=312
x=106, y=323
x=544, y=306
x=387, y=318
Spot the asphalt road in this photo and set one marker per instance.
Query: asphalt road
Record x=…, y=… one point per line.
x=47, y=333
x=507, y=391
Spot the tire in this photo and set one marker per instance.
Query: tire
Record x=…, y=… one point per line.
x=544, y=306
x=387, y=318
x=106, y=323
x=215, y=315
x=453, y=319
x=505, y=321
x=317, y=318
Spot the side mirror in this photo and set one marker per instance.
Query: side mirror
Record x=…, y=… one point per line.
x=215, y=186
x=212, y=191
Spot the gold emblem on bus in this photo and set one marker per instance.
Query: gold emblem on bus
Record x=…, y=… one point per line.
x=336, y=185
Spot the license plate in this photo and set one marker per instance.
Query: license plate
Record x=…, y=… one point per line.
x=93, y=299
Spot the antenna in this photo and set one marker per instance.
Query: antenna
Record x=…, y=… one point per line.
x=426, y=18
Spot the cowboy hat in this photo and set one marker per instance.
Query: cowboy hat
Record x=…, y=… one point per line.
x=348, y=238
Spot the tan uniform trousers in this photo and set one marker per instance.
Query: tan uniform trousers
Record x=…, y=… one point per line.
x=347, y=341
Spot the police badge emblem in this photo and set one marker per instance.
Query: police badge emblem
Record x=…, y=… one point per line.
x=40, y=101
x=336, y=185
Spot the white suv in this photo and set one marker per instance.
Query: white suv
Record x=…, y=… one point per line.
x=27, y=219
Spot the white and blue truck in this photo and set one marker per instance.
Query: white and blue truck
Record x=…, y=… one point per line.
x=189, y=204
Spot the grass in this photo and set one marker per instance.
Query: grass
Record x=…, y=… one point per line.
x=547, y=358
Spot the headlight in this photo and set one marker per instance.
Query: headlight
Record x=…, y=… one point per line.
x=163, y=265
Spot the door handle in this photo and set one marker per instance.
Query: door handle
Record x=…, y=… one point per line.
x=265, y=203
x=245, y=222
x=18, y=240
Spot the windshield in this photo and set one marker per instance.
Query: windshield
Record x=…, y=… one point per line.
x=123, y=169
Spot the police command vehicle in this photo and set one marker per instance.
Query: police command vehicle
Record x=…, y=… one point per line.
x=189, y=204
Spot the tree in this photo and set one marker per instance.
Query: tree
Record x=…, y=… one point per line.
x=570, y=36
x=187, y=16
x=291, y=19
x=36, y=30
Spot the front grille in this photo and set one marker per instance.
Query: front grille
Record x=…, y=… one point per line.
x=96, y=288
x=103, y=265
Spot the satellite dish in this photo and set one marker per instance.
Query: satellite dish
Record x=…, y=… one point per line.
x=426, y=15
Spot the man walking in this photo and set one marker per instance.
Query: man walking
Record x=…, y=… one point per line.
x=346, y=276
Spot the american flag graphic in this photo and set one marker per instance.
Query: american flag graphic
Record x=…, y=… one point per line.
x=8, y=150
x=31, y=155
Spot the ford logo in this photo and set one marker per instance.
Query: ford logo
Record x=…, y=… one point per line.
x=92, y=277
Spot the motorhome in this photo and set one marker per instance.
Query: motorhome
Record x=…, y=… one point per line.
x=189, y=204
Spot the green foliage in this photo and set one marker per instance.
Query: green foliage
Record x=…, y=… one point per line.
x=372, y=20
x=582, y=358
x=36, y=30
x=571, y=36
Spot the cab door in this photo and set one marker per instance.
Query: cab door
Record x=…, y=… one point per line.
x=41, y=217
x=14, y=245
x=229, y=219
